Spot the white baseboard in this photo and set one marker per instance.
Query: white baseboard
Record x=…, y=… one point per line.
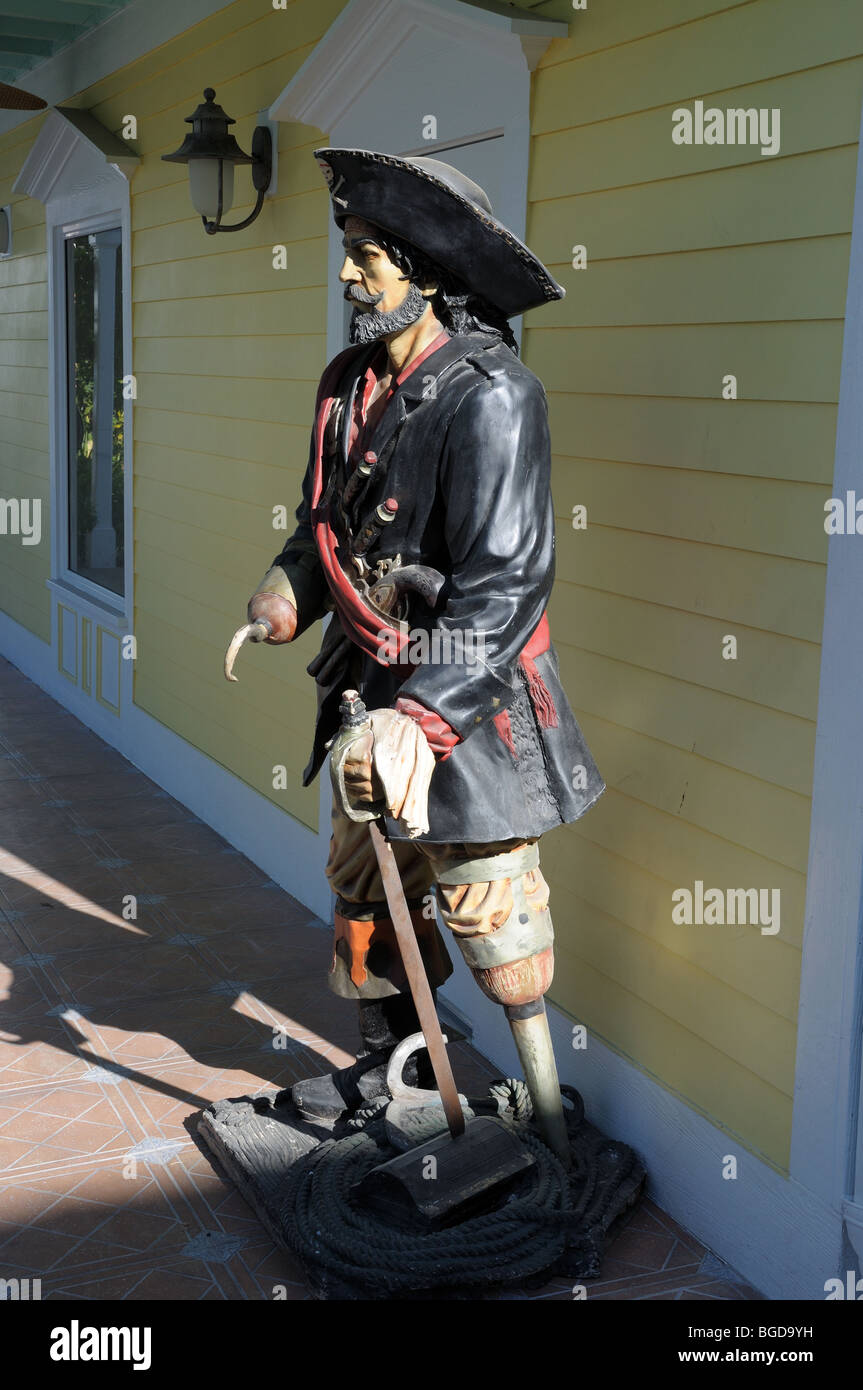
x=774, y=1232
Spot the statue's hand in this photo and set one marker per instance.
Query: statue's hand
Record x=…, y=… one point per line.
x=393, y=764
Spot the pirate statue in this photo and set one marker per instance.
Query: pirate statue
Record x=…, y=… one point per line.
x=426, y=532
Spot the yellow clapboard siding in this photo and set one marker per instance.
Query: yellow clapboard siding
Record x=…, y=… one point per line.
x=22, y=269
x=768, y=515
x=747, y=45
x=235, y=272
x=26, y=327
x=26, y=469
x=279, y=32
x=231, y=753
x=243, y=561
x=29, y=244
x=281, y=358
x=29, y=562
x=29, y=381
x=165, y=649
x=602, y=26
x=728, y=1094
x=23, y=299
x=23, y=352
x=278, y=311
x=779, y=672
x=760, y=1040
x=721, y=207
x=771, y=361
x=765, y=743
x=786, y=280
x=182, y=669
x=758, y=439
x=27, y=213
x=239, y=439
x=768, y=592
x=245, y=521
x=670, y=848
x=222, y=478
x=638, y=149
x=239, y=38
x=194, y=611
x=15, y=147
x=283, y=221
x=24, y=571
x=260, y=401
x=30, y=435
x=25, y=604
x=753, y=814
x=15, y=405
x=581, y=872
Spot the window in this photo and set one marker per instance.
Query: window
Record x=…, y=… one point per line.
x=95, y=407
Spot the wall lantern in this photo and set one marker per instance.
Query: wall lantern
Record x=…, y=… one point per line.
x=6, y=231
x=211, y=153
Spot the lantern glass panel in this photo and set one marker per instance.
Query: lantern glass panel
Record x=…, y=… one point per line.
x=204, y=183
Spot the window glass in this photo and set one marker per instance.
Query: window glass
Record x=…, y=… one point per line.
x=94, y=309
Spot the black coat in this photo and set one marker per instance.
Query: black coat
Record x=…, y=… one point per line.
x=465, y=439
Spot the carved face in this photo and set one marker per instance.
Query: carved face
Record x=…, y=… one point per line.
x=385, y=302
x=368, y=268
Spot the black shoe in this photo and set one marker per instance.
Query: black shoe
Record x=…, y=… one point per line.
x=383, y=1025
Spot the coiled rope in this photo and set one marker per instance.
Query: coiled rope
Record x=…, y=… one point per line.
x=350, y=1251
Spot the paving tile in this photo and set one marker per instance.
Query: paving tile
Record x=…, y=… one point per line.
x=130, y=812
x=266, y=954
x=82, y=788
x=140, y=967
x=170, y=874
x=59, y=928
x=179, y=1029
x=25, y=994
x=51, y=760
x=240, y=910
x=16, y=794
x=117, y=1034
x=51, y=855
x=95, y=1127
x=38, y=1054
x=83, y=882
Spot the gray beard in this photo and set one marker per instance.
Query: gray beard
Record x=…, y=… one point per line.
x=367, y=325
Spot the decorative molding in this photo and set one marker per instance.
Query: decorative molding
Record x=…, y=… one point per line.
x=368, y=34
x=66, y=133
x=108, y=668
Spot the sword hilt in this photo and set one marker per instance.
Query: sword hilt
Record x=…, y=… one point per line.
x=352, y=711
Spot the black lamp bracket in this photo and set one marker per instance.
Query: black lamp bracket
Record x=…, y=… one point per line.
x=262, y=173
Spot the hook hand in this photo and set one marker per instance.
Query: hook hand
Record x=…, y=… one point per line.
x=251, y=632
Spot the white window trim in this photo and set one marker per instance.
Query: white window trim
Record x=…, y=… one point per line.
x=88, y=211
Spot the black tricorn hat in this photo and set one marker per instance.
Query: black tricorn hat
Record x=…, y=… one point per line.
x=446, y=215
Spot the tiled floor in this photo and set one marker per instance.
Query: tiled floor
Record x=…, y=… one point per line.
x=118, y=1027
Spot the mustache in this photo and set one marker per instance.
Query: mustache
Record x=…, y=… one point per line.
x=358, y=295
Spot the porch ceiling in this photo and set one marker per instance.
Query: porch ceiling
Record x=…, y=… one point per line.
x=33, y=30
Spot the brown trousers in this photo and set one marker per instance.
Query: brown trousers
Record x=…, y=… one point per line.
x=366, y=962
